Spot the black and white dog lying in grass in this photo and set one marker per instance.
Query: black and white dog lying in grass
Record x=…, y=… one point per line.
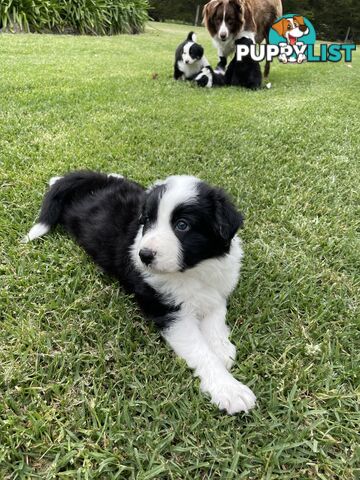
x=243, y=73
x=189, y=59
x=174, y=246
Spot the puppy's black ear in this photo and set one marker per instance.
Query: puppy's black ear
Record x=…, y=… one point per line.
x=227, y=219
x=196, y=51
x=191, y=37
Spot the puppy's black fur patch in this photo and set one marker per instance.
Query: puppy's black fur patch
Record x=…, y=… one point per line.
x=245, y=73
x=102, y=213
x=105, y=213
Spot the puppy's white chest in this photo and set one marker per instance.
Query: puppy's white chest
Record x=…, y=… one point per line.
x=190, y=70
x=205, y=286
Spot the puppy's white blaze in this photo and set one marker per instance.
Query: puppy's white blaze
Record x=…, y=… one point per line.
x=38, y=230
x=161, y=237
x=186, y=54
x=53, y=180
x=179, y=189
x=186, y=48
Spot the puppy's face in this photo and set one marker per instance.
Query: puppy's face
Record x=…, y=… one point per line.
x=192, y=52
x=184, y=222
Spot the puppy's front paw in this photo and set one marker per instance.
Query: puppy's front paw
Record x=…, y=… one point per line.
x=230, y=395
x=204, y=78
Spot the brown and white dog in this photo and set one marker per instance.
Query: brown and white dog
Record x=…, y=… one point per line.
x=292, y=29
x=228, y=20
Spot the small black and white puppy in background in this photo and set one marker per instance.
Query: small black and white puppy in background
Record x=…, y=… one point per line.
x=209, y=78
x=189, y=59
x=243, y=73
x=174, y=246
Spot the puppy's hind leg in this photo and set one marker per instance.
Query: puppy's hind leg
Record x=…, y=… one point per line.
x=42, y=227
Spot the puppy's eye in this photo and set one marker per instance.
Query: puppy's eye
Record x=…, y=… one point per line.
x=289, y=27
x=182, y=226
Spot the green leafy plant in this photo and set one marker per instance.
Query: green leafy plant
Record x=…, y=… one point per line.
x=30, y=15
x=126, y=16
x=92, y=17
x=84, y=16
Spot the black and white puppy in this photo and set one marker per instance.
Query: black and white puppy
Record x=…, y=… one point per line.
x=245, y=72
x=174, y=246
x=242, y=73
x=189, y=59
x=208, y=77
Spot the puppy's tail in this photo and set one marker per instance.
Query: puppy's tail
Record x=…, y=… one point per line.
x=62, y=192
x=191, y=37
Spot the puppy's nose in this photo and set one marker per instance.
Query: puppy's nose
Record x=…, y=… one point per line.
x=186, y=61
x=147, y=255
x=223, y=36
x=303, y=28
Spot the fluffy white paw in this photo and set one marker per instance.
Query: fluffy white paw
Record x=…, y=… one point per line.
x=230, y=395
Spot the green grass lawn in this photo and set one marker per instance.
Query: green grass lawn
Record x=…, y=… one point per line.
x=87, y=388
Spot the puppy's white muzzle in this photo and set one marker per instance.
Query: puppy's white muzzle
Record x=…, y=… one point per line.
x=159, y=250
x=187, y=59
